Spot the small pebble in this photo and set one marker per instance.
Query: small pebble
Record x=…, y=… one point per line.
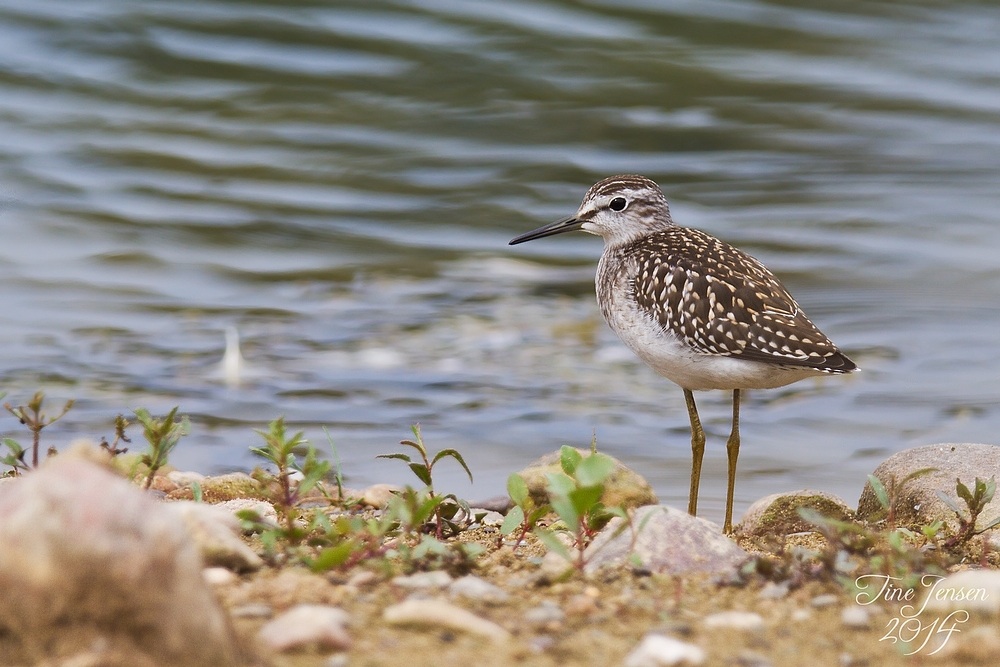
x=581, y=605
x=378, y=495
x=424, y=580
x=752, y=659
x=218, y=576
x=541, y=643
x=738, y=620
x=474, y=588
x=362, y=579
x=662, y=651
x=773, y=591
x=253, y=610
x=855, y=617
x=263, y=508
x=826, y=600
x=800, y=615
x=308, y=625
x=490, y=518
x=438, y=613
x=184, y=478
x=546, y=612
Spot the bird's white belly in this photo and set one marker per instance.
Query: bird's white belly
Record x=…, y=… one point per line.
x=675, y=360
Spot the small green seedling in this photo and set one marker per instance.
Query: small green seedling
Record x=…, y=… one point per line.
x=888, y=496
x=31, y=415
x=525, y=514
x=112, y=448
x=575, y=495
x=448, y=508
x=162, y=435
x=976, y=500
x=280, y=449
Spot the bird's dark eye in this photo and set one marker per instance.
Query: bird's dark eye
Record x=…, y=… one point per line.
x=618, y=204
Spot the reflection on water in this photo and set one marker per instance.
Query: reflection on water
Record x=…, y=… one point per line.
x=338, y=183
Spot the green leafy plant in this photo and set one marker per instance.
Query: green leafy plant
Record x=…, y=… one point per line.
x=448, y=510
x=975, y=500
x=31, y=415
x=112, y=448
x=14, y=458
x=292, y=481
x=525, y=514
x=162, y=435
x=575, y=496
x=888, y=496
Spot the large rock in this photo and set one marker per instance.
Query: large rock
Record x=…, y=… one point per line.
x=95, y=571
x=669, y=541
x=623, y=488
x=778, y=513
x=918, y=502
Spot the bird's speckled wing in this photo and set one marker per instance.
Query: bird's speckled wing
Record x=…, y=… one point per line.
x=721, y=301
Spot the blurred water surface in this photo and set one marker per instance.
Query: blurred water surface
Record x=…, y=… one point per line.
x=338, y=182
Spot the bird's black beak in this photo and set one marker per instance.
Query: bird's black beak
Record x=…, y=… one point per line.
x=569, y=224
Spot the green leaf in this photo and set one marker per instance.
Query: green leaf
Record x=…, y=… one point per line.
x=429, y=545
x=569, y=459
x=880, y=493
x=333, y=557
x=401, y=457
x=963, y=492
x=985, y=490
x=594, y=469
x=552, y=542
x=422, y=473
x=917, y=473
x=558, y=484
x=565, y=508
x=513, y=520
x=585, y=498
x=950, y=502
x=517, y=489
x=453, y=453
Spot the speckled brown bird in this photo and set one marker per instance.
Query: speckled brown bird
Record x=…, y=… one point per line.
x=698, y=311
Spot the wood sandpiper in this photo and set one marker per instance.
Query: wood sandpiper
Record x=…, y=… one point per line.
x=698, y=311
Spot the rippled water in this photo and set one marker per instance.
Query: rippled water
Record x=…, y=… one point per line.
x=338, y=183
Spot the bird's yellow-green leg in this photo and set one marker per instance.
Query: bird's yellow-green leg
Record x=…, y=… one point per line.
x=697, y=451
x=733, y=452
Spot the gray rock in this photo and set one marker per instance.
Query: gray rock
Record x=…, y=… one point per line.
x=215, y=531
x=773, y=591
x=252, y=610
x=623, y=488
x=669, y=541
x=918, y=503
x=856, y=617
x=736, y=620
x=424, y=580
x=777, y=514
x=378, y=495
x=825, y=600
x=85, y=550
x=183, y=478
x=305, y=626
x=974, y=591
x=441, y=614
x=662, y=651
x=474, y=588
x=264, y=509
x=545, y=613
x=218, y=576
x=490, y=518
